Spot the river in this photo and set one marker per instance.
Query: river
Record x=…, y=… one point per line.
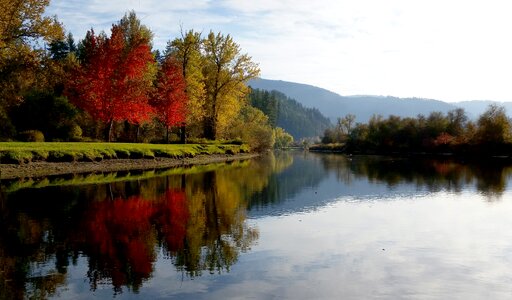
x=288, y=225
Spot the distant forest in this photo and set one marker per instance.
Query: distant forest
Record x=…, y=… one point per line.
x=287, y=113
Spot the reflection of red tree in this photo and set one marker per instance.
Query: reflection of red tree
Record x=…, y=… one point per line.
x=445, y=168
x=172, y=218
x=120, y=235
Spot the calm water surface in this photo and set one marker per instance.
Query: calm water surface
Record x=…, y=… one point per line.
x=285, y=226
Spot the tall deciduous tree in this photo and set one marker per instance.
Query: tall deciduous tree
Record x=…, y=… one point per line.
x=169, y=98
x=112, y=83
x=22, y=24
x=23, y=21
x=226, y=72
x=494, y=127
x=187, y=51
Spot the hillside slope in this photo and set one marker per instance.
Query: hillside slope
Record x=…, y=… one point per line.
x=289, y=114
x=333, y=105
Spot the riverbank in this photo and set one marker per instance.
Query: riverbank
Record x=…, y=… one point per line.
x=43, y=168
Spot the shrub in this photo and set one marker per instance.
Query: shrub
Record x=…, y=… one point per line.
x=75, y=132
x=31, y=136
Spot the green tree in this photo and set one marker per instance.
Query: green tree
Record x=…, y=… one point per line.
x=267, y=102
x=226, y=72
x=289, y=114
x=60, y=49
x=135, y=33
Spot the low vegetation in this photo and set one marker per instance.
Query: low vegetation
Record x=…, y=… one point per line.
x=451, y=133
x=20, y=152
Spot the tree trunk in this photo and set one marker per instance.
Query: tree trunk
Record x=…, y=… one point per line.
x=137, y=132
x=108, y=131
x=183, y=134
x=209, y=131
x=167, y=134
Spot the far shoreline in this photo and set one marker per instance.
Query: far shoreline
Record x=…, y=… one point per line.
x=42, y=168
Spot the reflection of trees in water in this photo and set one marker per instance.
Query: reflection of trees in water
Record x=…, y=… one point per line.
x=489, y=177
x=289, y=175
x=197, y=220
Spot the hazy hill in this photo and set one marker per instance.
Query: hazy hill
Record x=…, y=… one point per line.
x=476, y=107
x=333, y=105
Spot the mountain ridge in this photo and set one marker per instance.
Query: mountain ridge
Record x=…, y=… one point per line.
x=334, y=105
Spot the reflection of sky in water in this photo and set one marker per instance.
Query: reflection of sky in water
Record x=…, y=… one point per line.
x=436, y=246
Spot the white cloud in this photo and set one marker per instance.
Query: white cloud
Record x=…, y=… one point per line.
x=449, y=50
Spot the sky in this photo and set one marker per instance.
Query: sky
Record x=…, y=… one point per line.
x=452, y=50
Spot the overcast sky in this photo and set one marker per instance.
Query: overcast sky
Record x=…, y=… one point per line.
x=449, y=50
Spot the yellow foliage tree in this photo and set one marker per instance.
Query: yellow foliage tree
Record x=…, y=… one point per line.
x=226, y=72
x=22, y=25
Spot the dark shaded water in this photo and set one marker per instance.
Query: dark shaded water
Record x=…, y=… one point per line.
x=289, y=225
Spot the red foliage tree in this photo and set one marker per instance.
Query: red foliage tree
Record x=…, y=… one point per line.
x=111, y=84
x=170, y=99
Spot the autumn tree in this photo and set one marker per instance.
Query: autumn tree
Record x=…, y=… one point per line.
x=282, y=138
x=457, y=121
x=252, y=127
x=112, y=83
x=22, y=27
x=187, y=51
x=226, y=72
x=346, y=123
x=169, y=99
x=494, y=126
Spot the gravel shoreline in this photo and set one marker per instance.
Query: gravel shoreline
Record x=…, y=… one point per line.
x=40, y=169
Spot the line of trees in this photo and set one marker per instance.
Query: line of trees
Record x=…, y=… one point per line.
x=453, y=132
x=116, y=87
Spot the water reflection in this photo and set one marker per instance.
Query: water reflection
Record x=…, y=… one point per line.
x=195, y=220
x=489, y=177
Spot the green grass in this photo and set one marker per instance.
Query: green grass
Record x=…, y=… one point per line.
x=25, y=152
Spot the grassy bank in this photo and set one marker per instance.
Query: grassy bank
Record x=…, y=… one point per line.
x=22, y=152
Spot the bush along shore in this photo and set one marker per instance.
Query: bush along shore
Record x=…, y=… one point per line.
x=18, y=160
